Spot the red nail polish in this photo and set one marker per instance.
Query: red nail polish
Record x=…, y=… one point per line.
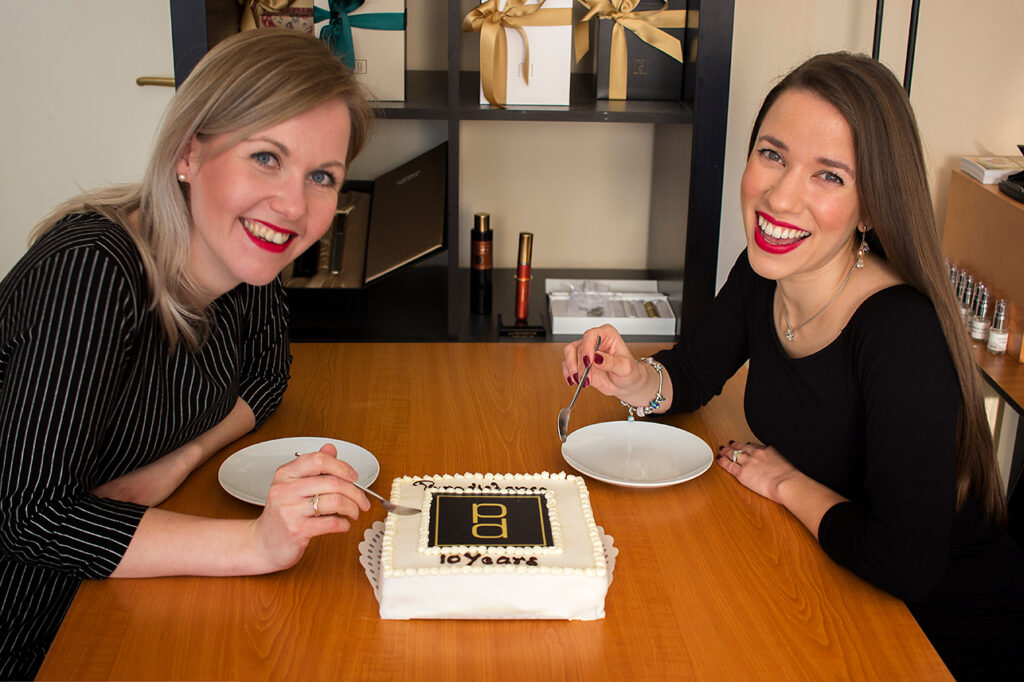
x=598, y=360
x=586, y=361
x=586, y=382
x=576, y=378
x=568, y=380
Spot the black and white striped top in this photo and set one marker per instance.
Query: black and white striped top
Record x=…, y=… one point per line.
x=89, y=391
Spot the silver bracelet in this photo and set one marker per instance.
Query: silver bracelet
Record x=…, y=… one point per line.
x=651, y=407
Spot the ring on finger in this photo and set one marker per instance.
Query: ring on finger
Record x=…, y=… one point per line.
x=736, y=453
x=315, y=503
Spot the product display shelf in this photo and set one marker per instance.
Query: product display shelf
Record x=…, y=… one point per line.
x=385, y=309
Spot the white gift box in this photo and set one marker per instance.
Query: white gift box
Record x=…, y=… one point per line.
x=550, y=61
x=627, y=305
x=379, y=54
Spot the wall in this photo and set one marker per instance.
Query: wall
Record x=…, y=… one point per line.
x=964, y=102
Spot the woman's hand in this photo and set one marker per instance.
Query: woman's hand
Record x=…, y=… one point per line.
x=765, y=471
x=615, y=371
x=310, y=496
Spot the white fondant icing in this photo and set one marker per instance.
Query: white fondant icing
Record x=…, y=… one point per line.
x=454, y=582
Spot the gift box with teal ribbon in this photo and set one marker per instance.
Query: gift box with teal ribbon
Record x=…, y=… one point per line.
x=369, y=36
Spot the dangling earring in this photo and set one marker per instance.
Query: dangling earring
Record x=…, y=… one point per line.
x=863, y=248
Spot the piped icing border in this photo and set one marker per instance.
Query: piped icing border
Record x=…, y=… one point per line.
x=387, y=556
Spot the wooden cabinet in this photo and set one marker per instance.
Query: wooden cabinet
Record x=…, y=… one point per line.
x=439, y=309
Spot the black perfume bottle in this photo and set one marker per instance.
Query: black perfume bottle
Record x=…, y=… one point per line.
x=480, y=286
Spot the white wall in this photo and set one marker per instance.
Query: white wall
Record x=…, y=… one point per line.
x=73, y=117
x=965, y=103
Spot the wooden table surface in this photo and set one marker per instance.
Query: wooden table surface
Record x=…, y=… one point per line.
x=711, y=581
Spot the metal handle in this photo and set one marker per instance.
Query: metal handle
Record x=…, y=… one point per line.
x=155, y=80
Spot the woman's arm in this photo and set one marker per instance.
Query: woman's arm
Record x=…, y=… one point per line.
x=168, y=543
x=152, y=484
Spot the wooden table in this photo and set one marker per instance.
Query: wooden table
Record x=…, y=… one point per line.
x=712, y=581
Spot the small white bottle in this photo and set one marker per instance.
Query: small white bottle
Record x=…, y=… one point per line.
x=999, y=335
x=980, y=323
x=966, y=293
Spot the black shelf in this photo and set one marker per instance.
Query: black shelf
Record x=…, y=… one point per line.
x=428, y=300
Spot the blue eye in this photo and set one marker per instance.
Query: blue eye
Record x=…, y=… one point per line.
x=323, y=178
x=265, y=158
x=833, y=178
x=770, y=154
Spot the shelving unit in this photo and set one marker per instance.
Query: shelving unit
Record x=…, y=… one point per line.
x=440, y=310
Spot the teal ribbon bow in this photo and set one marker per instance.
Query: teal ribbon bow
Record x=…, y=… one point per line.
x=338, y=32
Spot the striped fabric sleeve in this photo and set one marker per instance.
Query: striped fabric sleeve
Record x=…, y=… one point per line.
x=266, y=355
x=61, y=364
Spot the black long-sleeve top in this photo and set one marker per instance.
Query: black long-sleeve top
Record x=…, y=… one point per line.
x=873, y=416
x=89, y=391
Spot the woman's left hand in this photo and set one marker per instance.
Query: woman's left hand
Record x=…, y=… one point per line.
x=761, y=468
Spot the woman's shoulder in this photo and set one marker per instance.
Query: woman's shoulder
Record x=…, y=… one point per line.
x=90, y=233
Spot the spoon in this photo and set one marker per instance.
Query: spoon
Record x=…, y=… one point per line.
x=563, y=414
x=390, y=506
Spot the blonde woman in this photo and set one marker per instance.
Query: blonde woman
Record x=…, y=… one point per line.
x=146, y=328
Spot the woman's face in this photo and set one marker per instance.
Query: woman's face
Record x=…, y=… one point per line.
x=261, y=202
x=798, y=193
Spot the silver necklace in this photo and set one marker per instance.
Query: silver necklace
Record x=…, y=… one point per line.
x=791, y=330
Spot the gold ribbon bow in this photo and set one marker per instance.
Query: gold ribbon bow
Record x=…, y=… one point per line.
x=255, y=8
x=646, y=25
x=491, y=23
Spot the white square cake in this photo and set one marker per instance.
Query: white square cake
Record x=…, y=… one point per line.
x=493, y=546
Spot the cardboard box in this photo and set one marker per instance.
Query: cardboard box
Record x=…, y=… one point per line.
x=627, y=305
x=550, y=60
x=378, y=46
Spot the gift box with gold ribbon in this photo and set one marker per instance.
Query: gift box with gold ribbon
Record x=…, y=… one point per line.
x=525, y=51
x=639, y=47
x=369, y=36
x=294, y=14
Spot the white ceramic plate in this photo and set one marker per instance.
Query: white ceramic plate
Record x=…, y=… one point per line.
x=248, y=473
x=638, y=454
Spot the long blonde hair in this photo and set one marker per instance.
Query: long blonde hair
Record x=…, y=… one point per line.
x=895, y=201
x=248, y=82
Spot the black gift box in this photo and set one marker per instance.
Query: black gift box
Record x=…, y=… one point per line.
x=650, y=73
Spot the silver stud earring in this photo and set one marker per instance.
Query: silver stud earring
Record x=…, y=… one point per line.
x=863, y=249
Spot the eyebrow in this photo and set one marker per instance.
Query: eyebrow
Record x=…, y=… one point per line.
x=285, y=151
x=821, y=159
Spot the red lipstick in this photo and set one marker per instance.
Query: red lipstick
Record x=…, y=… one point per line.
x=771, y=247
x=267, y=245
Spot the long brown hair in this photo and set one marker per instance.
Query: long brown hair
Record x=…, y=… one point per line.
x=248, y=82
x=892, y=189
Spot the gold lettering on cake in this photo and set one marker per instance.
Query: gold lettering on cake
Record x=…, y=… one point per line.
x=497, y=530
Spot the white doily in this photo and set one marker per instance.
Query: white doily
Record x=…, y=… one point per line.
x=369, y=554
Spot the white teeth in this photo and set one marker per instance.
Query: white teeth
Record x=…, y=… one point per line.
x=777, y=232
x=265, y=233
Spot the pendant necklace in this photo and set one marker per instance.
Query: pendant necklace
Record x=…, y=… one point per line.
x=791, y=330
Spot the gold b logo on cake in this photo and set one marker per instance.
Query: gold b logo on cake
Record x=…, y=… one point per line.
x=492, y=519
x=489, y=511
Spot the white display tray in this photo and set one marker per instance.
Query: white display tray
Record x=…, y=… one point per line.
x=624, y=307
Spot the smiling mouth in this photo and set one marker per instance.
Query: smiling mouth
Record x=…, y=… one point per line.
x=778, y=235
x=267, y=234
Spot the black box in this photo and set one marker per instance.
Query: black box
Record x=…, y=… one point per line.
x=650, y=74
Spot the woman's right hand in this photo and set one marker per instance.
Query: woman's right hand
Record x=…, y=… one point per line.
x=290, y=520
x=615, y=371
